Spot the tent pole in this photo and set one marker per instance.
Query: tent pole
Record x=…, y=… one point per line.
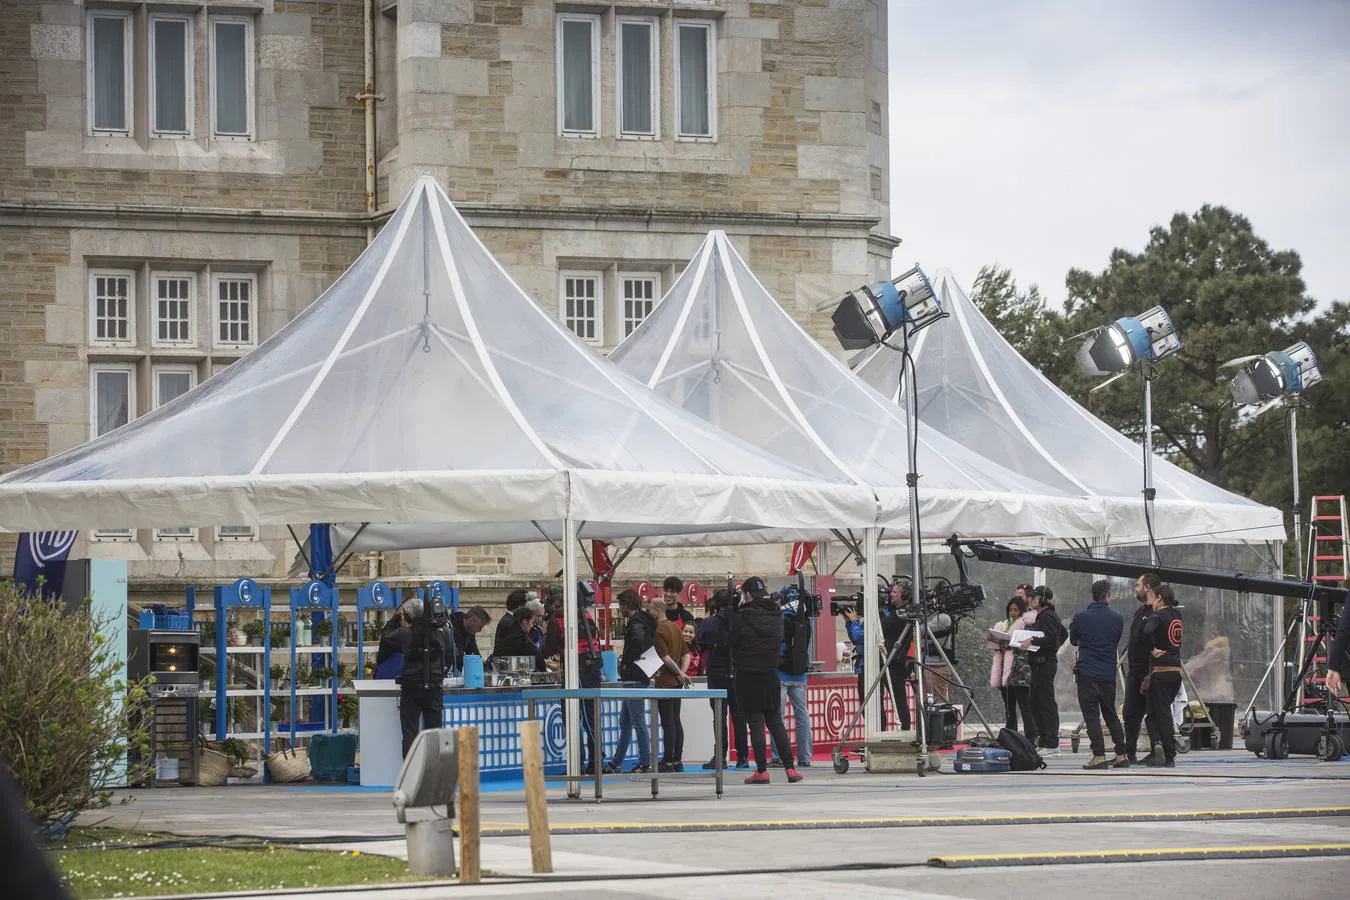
x=571, y=679
x=871, y=634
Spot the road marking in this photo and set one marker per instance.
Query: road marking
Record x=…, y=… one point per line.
x=1288, y=851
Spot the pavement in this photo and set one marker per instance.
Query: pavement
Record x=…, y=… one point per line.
x=1062, y=832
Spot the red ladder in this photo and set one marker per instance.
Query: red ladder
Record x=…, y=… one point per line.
x=1327, y=550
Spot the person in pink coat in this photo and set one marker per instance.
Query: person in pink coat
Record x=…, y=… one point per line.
x=1010, y=672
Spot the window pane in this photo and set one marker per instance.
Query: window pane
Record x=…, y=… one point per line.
x=112, y=401
x=231, y=78
x=636, y=44
x=577, y=86
x=172, y=385
x=110, y=74
x=693, y=50
x=170, y=75
x=110, y=307
x=234, y=311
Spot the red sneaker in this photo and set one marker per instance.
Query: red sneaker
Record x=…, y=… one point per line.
x=759, y=778
x=793, y=776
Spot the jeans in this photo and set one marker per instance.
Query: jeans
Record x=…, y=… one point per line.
x=1162, y=693
x=795, y=691
x=423, y=706
x=672, y=731
x=1097, y=698
x=739, y=736
x=1014, y=698
x=1043, y=705
x=1135, y=708
x=633, y=717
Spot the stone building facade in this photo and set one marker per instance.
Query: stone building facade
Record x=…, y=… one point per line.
x=178, y=179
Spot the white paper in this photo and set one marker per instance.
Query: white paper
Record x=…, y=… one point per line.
x=1021, y=636
x=649, y=662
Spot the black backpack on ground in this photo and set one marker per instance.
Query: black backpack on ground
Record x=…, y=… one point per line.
x=1022, y=753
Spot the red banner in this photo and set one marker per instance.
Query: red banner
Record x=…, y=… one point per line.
x=604, y=569
x=801, y=552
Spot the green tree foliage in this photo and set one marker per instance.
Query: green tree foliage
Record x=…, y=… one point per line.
x=1020, y=316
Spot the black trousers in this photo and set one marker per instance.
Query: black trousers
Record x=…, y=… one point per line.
x=900, y=681
x=672, y=731
x=1043, y=706
x=1097, y=698
x=1135, y=707
x=740, y=733
x=772, y=719
x=1014, y=698
x=418, y=710
x=590, y=731
x=1162, y=692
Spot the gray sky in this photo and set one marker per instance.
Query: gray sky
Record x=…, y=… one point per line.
x=1040, y=134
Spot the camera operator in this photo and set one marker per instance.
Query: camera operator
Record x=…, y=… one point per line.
x=941, y=633
x=713, y=635
x=1165, y=630
x=793, y=668
x=427, y=648
x=1137, y=658
x=892, y=629
x=1044, y=667
x=1338, y=656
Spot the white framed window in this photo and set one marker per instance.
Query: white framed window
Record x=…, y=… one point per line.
x=695, y=80
x=234, y=309
x=581, y=305
x=231, y=89
x=111, y=301
x=112, y=404
x=235, y=533
x=578, y=65
x=637, y=294
x=637, y=64
x=108, y=79
x=171, y=76
x=172, y=305
x=170, y=383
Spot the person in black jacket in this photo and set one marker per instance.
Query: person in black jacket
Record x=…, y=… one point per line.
x=515, y=639
x=756, y=641
x=1165, y=630
x=465, y=627
x=514, y=601
x=639, y=636
x=1137, y=658
x=427, y=651
x=1044, y=667
x=1338, y=654
x=713, y=635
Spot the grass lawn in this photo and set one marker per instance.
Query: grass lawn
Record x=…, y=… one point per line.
x=94, y=867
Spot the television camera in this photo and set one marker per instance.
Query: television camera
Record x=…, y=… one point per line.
x=958, y=600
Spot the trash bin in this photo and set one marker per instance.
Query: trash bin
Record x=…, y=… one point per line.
x=1223, y=716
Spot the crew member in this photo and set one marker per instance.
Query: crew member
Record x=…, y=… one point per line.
x=427, y=648
x=892, y=630
x=793, y=668
x=1095, y=632
x=515, y=640
x=1044, y=667
x=507, y=623
x=674, y=655
x=756, y=639
x=1165, y=631
x=590, y=666
x=713, y=633
x=1137, y=660
x=1338, y=657
x=465, y=627
x=639, y=634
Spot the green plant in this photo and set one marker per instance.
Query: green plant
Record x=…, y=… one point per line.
x=346, y=672
x=68, y=717
x=254, y=631
x=348, y=706
x=281, y=634
x=235, y=750
x=322, y=673
x=303, y=674
x=323, y=630
x=206, y=670
x=208, y=632
x=371, y=633
x=278, y=673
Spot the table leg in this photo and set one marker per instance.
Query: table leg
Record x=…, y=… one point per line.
x=719, y=742
x=652, y=721
x=597, y=748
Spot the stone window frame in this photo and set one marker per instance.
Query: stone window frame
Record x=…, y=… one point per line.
x=190, y=278
x=597, y=317
x=217, y=278
x=128, y=77
x=653, y=24
x=626, y=322
x=115, y=535
x=250, y=64
x=130, y=317
x=710, y=26
x=596, y=47
x=189, y=71
x=157, y=369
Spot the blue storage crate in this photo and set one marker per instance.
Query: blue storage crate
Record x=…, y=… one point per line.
x=165, y=621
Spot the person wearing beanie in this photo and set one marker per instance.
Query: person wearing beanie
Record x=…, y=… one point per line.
x=1044, y=667
x=756, y=638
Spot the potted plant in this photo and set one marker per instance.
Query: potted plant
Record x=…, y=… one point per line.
x=323, y=631
x=304, y=677
x=206, y=670
x=254, y=631
x=346, y=672
x=209, y=633
x=234, y=635
x=348, y=707
x=235, y=750
x=277, y=673
x=372, y=633
x=281, y=634
x=321, y=675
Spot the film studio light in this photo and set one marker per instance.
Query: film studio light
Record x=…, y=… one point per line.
x=874, y=312
x=1114, y=350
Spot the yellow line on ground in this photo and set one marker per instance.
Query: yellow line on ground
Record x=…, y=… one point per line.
x=1166, y=854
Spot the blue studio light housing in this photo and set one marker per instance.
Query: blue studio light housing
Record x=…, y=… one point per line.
x=1149, y=337
x=875, y=312
x=1275, y=375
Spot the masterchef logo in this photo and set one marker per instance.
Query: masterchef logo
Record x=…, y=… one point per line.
x=1175, y=631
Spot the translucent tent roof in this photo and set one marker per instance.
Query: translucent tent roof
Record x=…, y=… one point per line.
x=976, y=389
x=720, y=346
x=425, y=386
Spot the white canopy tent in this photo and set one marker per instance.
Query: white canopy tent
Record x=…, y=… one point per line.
x=976, y=389
x=426, y=387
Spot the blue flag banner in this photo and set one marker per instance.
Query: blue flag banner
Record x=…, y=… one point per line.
x=42, y=556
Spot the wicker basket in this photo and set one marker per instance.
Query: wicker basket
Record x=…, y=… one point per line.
x=213, y=768
x=288, y=765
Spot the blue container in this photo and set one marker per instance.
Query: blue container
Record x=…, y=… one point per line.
x=331, y=755
x=473, y=671
x=609, y=665
x=152, y=621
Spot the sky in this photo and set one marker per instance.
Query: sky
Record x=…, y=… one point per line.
x=1042, y=134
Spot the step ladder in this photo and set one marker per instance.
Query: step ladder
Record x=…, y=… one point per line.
x=1328, y=563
